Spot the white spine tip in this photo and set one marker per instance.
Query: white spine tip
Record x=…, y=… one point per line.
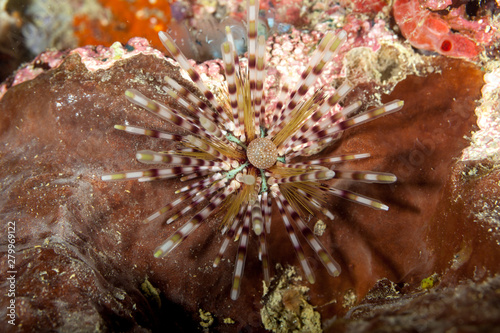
x=342, y=34
x=234, y=294
x=257, y=229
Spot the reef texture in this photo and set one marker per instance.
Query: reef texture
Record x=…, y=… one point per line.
x=455, y=28
x=84, y=261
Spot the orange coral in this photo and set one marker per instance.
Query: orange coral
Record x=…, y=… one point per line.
x=122, y=20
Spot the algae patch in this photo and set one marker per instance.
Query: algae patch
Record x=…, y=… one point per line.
x=206, y=319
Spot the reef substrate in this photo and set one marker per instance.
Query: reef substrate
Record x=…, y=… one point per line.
x=84, y=261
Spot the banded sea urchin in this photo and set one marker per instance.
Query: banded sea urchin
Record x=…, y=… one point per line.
x=241, y=151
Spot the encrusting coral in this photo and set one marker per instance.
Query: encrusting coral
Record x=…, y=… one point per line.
x=243, y=146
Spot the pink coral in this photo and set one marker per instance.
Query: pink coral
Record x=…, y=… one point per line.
x=94, y=58
x=363, y=6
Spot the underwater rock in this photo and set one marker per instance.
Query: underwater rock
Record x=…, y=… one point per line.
x=84, y=260
x=458, y=309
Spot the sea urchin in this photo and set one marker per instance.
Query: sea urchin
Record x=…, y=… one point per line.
x=241, y=151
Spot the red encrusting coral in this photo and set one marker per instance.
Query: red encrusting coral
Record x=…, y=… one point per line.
x=123, y=20
x=453, y=33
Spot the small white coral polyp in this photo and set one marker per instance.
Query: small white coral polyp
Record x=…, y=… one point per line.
x=239, y=153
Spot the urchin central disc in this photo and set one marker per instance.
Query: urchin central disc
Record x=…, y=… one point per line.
x=262, y=153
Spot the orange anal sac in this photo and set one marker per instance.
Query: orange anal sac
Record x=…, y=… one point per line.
x=262, y=153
